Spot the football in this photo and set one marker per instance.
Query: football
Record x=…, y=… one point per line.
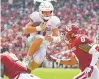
x=36, y=24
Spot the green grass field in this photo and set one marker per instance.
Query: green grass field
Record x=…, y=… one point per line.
x=47, y=73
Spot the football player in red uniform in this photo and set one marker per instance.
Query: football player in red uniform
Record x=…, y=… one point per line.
x=81, y=48
x=13, y=68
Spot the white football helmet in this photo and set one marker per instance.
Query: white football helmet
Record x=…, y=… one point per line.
x=46, y=10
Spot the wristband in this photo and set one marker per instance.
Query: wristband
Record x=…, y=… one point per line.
x=38, y=28
x=56, y=39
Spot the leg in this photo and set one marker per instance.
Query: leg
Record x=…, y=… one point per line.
x=35, y=42
x=35, y=45
x=81, y=75
x=38, y=58
x=33, y=65
x=95, y=74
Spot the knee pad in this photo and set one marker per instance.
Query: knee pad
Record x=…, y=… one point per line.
x=38, y=59
x=39, y=56
x=29, y=40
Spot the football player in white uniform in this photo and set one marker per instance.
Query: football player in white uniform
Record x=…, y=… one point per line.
x=43, y=27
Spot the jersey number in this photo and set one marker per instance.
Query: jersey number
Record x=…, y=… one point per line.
x=82, y=39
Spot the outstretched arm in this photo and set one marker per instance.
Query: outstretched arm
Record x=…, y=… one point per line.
x=70, y=61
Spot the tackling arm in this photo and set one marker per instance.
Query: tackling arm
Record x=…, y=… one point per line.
x=70, y=61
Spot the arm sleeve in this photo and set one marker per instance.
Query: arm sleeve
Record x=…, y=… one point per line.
x=55, y=22
x=35, y=17
x=71, y=61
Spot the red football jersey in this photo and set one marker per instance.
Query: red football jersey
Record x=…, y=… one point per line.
x=84, y=58
x=12, y=67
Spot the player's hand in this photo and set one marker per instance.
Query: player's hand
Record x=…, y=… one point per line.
x=48, y=38
x=43, y=26
x=48, y=56
x=88, y=71
x=52, y=58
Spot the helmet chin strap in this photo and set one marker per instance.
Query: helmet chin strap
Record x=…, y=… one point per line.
x=46, y=18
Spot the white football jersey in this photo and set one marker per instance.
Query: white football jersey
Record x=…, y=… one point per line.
x=52, y=23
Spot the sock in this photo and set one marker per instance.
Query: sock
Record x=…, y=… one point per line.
x=33, y=65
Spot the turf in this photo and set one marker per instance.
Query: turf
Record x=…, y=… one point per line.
x=47, y=73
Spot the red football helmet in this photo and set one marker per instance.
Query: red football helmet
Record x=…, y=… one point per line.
x=71, y=31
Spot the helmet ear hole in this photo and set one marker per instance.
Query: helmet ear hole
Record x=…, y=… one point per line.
x=51, y=12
